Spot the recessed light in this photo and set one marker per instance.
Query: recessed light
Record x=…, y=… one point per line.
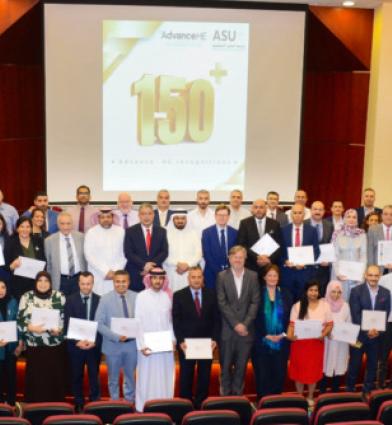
x=348, y=3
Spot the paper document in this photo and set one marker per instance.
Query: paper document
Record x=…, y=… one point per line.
x=384, y=253
x=129, y=327
x=49, y=318
x=158, y=342
x=29, y=267
x=386, y=282
x=198, y=348
x=266, y=245
x=8, y=331
x=307, y=329
x=82, y=330
x=352, y=270
x=301, y=255
x=373, y=319
x=345, y=332
x=327, y=253
x=2, y=261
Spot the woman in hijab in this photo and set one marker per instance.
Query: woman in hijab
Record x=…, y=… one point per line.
x=45, y=353
x=335, y=352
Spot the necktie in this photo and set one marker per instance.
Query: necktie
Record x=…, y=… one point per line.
x=223, y=248
x=124, y=306
x=71, y=261
x=319, y=231
x=81, y=220
x=197, y=303
x=125, y=222
x=85, y=305
x=259, y=228
x=148, y=240
x=388, y=233
x=297, y=237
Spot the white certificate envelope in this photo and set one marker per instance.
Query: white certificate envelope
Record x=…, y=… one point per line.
x=301, y=255
x=353, y=270
x=386, y=282
x=345, y=332
x=29, y=267
x=373, y=319
x=8, y=331
x=128, y=327
x=198, y=348
x=384, y=253
x=82, y=330
x=2, y=261
x=266, y=245
x=49, y=318
x=158, y=342
x=327, y=253
x=308, y=329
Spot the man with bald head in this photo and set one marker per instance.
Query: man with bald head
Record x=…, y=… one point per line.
x=300, y=197
x=252, y=229
x=124, y=215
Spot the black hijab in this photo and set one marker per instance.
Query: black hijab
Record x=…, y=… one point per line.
x=43, y=295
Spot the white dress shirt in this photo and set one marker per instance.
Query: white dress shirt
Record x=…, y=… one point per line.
x=64, y=268
x=238, y=280
x=301, y=233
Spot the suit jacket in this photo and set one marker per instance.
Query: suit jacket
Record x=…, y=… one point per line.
x=327, y=230
x=236, y=309
x=212, y=253
x=309, y=237
x=156, y=221
x=360, y=300
x=187, y=323
x=248, y=235
x=281, y=217
x=375, y=234
x=74, y=307
x=52, y=220
x=52, y=250
x=136, y=252
x=361, y=214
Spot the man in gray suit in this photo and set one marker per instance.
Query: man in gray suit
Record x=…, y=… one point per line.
x=273, y=210
x=120, y=351
x=65, y=255
x=377, y=233
x=238, y=295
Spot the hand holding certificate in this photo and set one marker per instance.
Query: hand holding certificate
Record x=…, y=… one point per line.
x=384, y=253
x=301, y=255
x=125, y=327
x=8, y=331
x=327, y=253
x=373, y=320
x=29, y=267
x=2, y=262
x=345, y=332
x=198, y=348
x=158, y=342
x=48, y=318
x=266, y=245
x=308, y=329
x=351, y=270
x=82, y=330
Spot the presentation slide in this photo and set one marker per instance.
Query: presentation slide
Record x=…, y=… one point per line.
x=141, y=98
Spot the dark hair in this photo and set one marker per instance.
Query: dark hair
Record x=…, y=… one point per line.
x=272, y=192
x=121, y=273
x=23, y=219
x=34, y=211
x=365, y=223
x=222, y=207
x=40, y=193
x=43, y=274
x=270, y=267
x=83, y=186
x=193, y=268
x=86, y=274
x=304, y=302
x=3, y=231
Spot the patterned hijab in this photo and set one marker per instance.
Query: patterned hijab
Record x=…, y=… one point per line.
x=346, y=230
x=157, y=271
x=335, y=305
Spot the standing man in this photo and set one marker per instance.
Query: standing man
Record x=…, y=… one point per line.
x=184, y=250
x=251, y=230
x=216, y=242
x=337, y=210
x=9, y=213
x=162, y=213
x=367, y=296
x=120, y=351
x=273, y=210
x=145, y=246
x=103, y=249
x=41, y=201
x=65, y=255
x=237, y=211
x=83, y=305
x=83, y=214
x=301, y=198
x=195, y=315
x=124, y=215
x=238, y=295
x=369, y=199
x=202, y=216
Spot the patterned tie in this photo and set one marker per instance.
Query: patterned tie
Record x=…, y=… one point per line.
x=148, y=240
x=85, y=299
x=125, y=222
x=197, y=303
x=124, y=306
x=81, y=220
x=71, y=261
x=297, y=237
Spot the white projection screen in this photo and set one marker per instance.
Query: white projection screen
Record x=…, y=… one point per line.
x=145, y=97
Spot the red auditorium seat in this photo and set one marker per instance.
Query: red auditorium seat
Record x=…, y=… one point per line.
x=283, y=400
x=279, y=415
x=36, y=413
x=143, y=419
x=212, y=417
x=176, y=408
x=73, y=420
x=342, y=412
x=239, y=404
x=108, y=411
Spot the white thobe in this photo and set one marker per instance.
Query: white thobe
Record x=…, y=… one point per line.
x=103, y=249
x=237, y=215
x=184, y=247
x=156, y=372
x=199, y=222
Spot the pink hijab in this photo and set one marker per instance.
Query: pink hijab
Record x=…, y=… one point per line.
x=157, y=271
x=350, y=231
x=337, y=305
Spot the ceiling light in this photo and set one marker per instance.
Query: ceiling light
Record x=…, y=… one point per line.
x=348, y=3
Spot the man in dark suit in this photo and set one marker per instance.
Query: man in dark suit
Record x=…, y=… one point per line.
x=41, y=201
x=367, y=296
x=324, y=230
x=369, y=199
x=377, y=233
x=145, y=246
x=336, y=217
x=162, y=213
x=83, y=305
x=216, y=242
x=238, y=295
x=273, y=210
x=297, y=234
x=251, y=230
x=195, y=315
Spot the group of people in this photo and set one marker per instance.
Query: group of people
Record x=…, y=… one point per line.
x=195, y=274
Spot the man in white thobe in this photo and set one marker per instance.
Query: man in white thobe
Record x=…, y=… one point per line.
x=237, y=211
x=202, y=216
x=103, y=249
x=184, y=250
x=155, y=370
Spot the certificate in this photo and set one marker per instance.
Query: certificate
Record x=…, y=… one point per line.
x=123, y=326
x=352, y=270
x=2, y=261
x=266, y=245
x=49, y=318
x=386, y=282
x=307, y=329
x=384, y=253
x=301, y=255
x=327, y=253
x=82, y=330
x=373, y=319
x=8, y=331
x=198, y=348
x=29, y=267
x=158, y=342
x=345, y=332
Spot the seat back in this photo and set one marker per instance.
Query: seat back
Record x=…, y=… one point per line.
x=6, y=410
x=108, y=411
x=334, y=398
x=73, y=420
x=370, y=422
x=283, y=400
x=376, y=399
x=385, y=412
x=176, y=408
x=143, y=419
x=36, y=413
x=342, y=412
x=239, y=404
x=12, y=420
x=278, y=415
x=212, y=417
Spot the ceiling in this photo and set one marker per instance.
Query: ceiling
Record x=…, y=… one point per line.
x=365, y=4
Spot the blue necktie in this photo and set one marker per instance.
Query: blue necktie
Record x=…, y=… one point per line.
x=223, y=248
x=319, y=231
x=124, y=306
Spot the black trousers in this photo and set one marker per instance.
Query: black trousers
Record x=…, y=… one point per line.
x=385, y=349
x=69, y=284
x=8, y=379
x=335, y=383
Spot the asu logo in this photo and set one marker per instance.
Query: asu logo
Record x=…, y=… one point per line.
x=225, y=35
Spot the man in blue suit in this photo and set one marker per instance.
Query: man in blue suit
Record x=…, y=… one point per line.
x=296, y=234
x=367, y=296
x=83, y=305
x=216, y=242
x=41, y=201
x=369, y=199
x=162, y=213
x=145, y=247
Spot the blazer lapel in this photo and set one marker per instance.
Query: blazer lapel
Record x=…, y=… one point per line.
x=244, y=288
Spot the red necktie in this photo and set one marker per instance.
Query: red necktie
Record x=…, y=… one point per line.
x=148, y=240
x=297, y=237
x=197, y=303
x=81, y=220
x=388, y=233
